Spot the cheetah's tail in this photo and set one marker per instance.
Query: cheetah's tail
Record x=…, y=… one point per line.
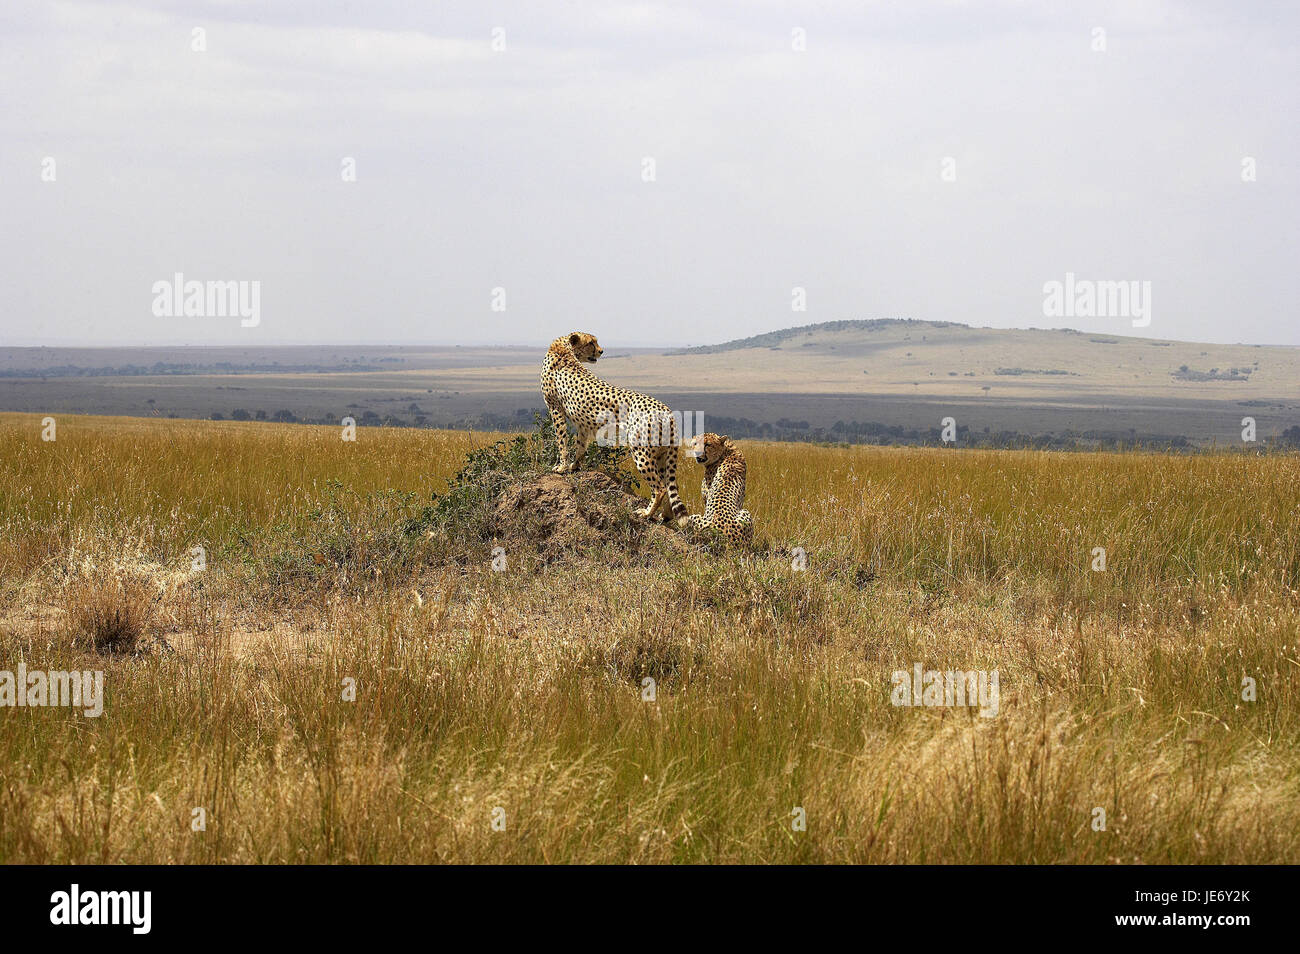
x=679, y=508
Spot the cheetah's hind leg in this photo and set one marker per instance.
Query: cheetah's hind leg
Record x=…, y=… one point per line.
x=646, y=468
x=667, y=505
x=670, y=505
x=746, y=525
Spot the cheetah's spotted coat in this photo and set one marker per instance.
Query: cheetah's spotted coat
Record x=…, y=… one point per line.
x=575, y=395
x=723, y=489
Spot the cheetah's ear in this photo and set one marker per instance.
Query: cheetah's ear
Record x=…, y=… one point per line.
x=574, y=338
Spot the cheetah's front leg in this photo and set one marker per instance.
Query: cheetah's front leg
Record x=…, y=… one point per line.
x=585, y=437
x=560, y=421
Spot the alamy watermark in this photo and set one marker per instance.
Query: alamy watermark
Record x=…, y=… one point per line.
x=179, y=298
x=626, y=427
x=1085, y=298
x=75, y=906
x=933, y=687
x=55, y=687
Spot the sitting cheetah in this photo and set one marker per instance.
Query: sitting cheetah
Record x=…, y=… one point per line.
x=575, y=395
x=723, y=489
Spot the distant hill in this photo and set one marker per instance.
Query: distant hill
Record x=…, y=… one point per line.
x=774, y=338
x=944, y=360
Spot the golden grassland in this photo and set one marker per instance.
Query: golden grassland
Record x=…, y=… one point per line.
x=522, y=690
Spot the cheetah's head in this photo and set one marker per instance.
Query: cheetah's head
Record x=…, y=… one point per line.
x=585, y=347
x=709, y=448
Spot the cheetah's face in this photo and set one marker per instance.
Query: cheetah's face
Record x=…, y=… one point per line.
x=585, y=347
x=707, y=448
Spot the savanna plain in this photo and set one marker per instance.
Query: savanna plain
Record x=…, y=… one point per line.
x=312, y=641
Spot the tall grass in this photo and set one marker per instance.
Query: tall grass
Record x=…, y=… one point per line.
x=523, y=690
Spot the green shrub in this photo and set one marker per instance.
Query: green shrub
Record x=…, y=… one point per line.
x=464, y=513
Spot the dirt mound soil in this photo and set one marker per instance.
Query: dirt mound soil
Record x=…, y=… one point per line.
x=568, y=515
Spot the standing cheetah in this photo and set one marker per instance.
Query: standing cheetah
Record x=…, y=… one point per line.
x=595, y=407
x=723, y=489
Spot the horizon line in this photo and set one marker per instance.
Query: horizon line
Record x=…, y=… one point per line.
x=541, y=342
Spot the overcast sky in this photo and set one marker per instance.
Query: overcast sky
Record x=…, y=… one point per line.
x=524, y=168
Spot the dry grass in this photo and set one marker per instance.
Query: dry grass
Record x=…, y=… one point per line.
x=110, y=610
x=522, y=690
